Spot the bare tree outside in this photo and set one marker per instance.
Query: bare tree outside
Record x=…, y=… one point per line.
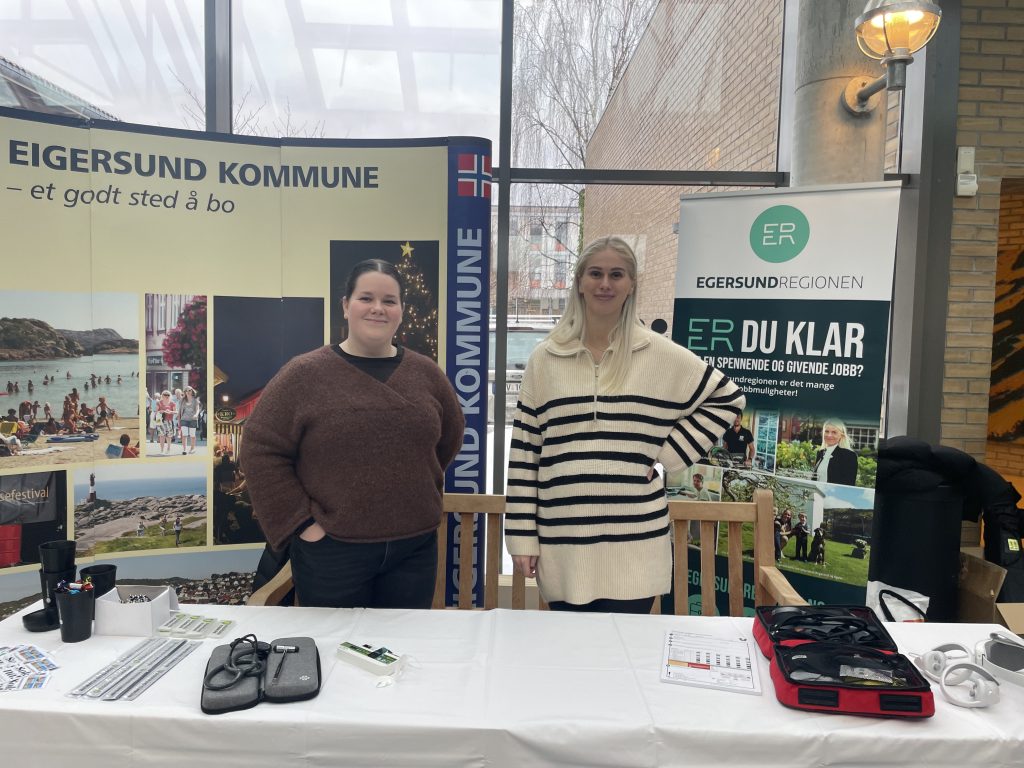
x=569, y=57
x=247, y=118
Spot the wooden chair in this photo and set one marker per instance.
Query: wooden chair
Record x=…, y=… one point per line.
x=770, y=585
x=491, y=511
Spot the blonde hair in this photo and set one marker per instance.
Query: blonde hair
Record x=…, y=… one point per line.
x=572, y=327
x=844, y=441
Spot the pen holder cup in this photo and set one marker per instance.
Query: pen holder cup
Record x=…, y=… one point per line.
x=57, y=555
x=102, y=575
x=76, y=611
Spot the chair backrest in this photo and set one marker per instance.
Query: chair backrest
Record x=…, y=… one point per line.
x=8, y=428
x=770, y=585
x=489, y=511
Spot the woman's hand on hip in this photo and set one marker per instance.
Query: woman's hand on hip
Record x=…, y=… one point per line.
x=525, y=564
x=313, y=533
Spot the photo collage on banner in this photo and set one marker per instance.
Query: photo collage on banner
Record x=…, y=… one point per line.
x=173, y=274
x=781, y=292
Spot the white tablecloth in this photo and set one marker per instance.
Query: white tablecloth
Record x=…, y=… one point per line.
x=497, y=688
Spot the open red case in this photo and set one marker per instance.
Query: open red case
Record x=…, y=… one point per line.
x=791, y=625
x=850, y=679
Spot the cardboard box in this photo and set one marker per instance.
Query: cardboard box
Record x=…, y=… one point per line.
x=980, y=582
x=1011, y=616
x=134, y=619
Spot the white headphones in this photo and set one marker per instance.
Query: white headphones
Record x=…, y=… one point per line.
x=982, y=689
x=934, y=662
x=954, y=668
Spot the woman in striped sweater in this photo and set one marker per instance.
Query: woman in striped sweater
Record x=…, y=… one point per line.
x=602, y=400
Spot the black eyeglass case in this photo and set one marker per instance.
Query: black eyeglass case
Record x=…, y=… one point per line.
x=792, y=625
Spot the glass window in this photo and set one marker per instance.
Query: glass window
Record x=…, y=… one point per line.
x=141, y=61
x=559, y=219
x=862, y=437
x=352, y=69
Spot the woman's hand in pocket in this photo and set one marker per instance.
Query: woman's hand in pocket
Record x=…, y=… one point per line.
x=313, y=533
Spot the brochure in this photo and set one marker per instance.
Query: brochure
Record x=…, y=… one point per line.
x=709, y=661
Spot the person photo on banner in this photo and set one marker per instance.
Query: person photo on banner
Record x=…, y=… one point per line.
x=344, y=457
x=188, y=411
x=739, y=441
x=165, y=411
x=603, y=400
x=835, y=461
x=698, y=485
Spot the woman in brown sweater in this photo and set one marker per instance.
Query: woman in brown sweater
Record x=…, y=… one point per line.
x=345, y=454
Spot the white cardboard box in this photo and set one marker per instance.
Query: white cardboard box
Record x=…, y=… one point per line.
x=134, y=619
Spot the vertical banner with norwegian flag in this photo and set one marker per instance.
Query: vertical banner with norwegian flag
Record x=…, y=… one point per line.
x=469, y=252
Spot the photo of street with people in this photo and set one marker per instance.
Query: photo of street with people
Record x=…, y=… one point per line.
x=175, y=411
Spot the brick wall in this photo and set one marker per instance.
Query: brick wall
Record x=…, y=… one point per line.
x=682, y=105
x=991, y=119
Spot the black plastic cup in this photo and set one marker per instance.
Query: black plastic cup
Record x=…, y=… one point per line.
x=50, y=580
x=57, y=555
x=103, y=576
x=75, y=609
x=46, y=618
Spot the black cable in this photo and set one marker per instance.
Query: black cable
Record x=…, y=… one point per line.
x=821, y=626
x=249, y=660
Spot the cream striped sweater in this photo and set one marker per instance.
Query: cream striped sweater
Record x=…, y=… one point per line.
x=578, y=494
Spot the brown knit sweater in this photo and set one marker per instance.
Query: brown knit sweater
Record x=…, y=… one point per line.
x=365, y=459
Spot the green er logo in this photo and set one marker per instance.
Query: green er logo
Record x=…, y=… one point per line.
x=779, y=234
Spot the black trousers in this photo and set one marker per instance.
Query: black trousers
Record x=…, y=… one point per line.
x=387, y=574
x=801, y=547
x=604, y=605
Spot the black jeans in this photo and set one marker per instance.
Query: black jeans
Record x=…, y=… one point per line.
x=604, y=605
x=801, y=548
x=387, y=574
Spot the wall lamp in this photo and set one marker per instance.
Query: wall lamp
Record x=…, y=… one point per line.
x=891, y=31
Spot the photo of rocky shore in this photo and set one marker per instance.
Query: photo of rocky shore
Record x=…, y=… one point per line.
x=130, y=508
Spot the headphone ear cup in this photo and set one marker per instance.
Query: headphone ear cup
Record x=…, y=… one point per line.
x=932, y=664
x=980, y=688
x=935, y=662
x=985, y=690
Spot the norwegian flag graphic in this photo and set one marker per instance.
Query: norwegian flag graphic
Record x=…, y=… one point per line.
x=474, y=178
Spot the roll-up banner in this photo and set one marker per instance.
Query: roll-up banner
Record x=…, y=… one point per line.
x=143, y=260
x=788, y=292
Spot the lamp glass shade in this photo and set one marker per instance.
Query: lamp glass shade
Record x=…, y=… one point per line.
x=892, y=26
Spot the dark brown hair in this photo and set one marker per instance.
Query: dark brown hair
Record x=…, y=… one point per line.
x=374, y=265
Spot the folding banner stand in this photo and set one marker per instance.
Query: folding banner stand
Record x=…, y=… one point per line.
x=128, y=228
x=788, y=292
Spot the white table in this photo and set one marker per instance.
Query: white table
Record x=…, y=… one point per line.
x=498, y=688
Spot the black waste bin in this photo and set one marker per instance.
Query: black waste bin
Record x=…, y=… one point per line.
x=915, y=544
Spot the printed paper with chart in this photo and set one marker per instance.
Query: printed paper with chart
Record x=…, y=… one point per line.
x=728, y=664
